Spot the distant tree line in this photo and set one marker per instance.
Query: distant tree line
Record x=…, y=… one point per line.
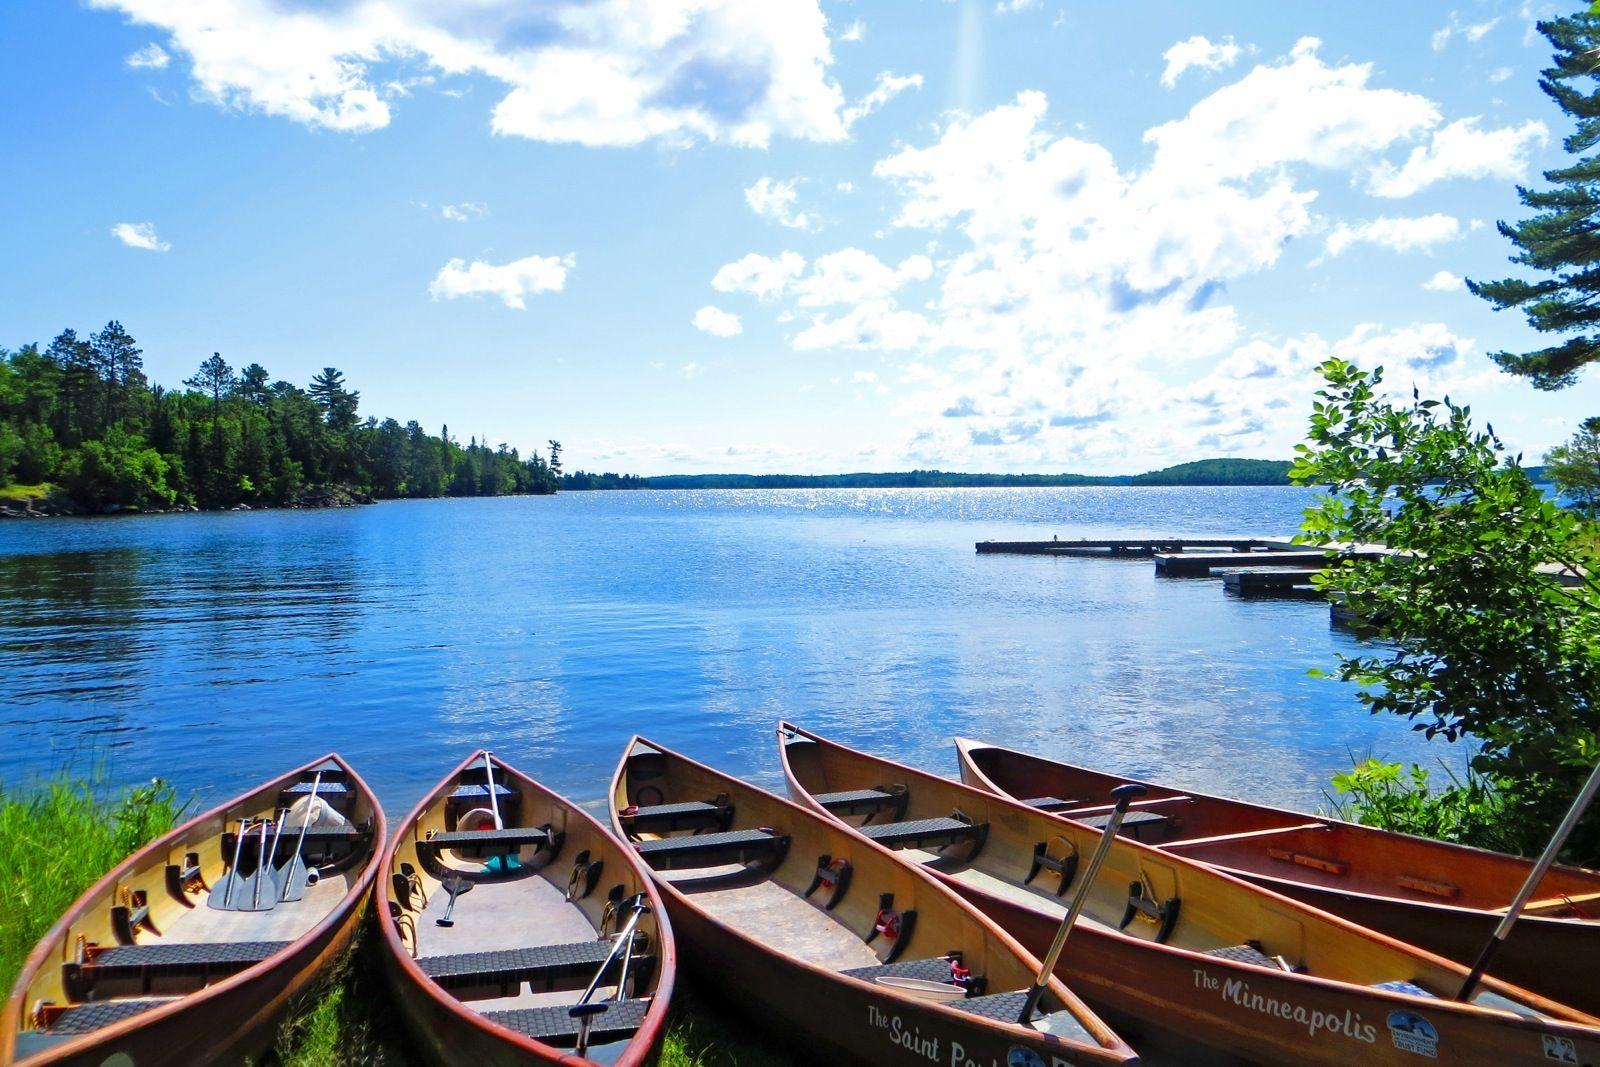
x=81, y=415
x=1202, y=472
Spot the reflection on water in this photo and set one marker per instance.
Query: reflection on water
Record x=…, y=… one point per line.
x=215, y=649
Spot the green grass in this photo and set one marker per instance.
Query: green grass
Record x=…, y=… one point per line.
x=25, y=492
x=56, y=840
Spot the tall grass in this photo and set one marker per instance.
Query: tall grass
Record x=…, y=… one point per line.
x=57, y=839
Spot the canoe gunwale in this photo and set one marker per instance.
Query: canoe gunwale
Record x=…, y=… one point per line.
x=344, y=912
x=645, y=1039
x=1109, y=1046
x=1556, y=1016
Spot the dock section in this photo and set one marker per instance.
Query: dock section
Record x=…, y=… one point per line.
x=1133, y=548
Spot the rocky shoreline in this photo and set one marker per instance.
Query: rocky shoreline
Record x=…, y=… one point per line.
x=59, y=505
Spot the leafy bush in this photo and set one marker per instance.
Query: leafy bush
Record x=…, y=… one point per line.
x=1391, y=797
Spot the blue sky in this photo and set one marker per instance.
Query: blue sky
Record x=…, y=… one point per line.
x=702, y=236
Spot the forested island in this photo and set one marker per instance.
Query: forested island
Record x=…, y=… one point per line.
x=1201, y=472
x=82, y=430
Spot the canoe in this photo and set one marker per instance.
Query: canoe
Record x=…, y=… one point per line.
x=827, y=938
x=517, y=930
x=1442, y=897
x=191, y=949
x=1180, y=947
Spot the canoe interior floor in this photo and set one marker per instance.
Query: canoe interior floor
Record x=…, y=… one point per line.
x=771, y=914
x=283, y=922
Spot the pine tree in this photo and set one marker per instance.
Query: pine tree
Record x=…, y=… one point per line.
x=338, y=403
x=1561, y=241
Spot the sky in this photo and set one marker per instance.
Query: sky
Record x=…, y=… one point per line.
x=796, y=236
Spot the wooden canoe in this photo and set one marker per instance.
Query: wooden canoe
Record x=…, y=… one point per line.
x=144, y=969
x=1180, y=946
x=548, y=913
x=1442, y=897
x=828, y=938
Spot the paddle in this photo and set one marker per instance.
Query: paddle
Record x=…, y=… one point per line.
x=494, y=801
x=1123, y=795
x=455, y=885
x=1503, y=930
x=233, y=871
x=241, y=887
x=293, y=876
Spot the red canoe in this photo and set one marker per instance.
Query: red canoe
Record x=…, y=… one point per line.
x=1442, y=897
x=1180, y=946
x=503, y=904
x=191, y=949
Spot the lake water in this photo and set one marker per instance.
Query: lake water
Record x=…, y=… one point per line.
x=216, y=650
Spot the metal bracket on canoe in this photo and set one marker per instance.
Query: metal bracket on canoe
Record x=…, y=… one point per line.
x=1142, y=902
x=833, y=873
x=1066, y=866
x=895, y=926
x=585, y=876
x=186, y=881
x=129, y=916
x=608, y=914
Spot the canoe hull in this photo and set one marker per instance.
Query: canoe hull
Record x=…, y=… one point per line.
x=1258, y=1015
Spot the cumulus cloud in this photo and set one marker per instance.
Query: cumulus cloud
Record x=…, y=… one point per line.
x=1398, y=234
x=1443, y=282
x=1462, y=149
x=1198, y=52
x=775, y=200
x=717, y=323
x=463, y=212
x=1011, y=7
x=888, y=86
x=593, y=72
x=764, y=277
x=511, y=282
x=1472, y=32
x=140, y=235
x=151, y=57
x=854, y=32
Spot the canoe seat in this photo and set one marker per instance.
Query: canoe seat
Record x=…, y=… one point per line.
x=1051, y=803
x=715, y=814
x=326, y=791
x=555, y=1026
x=927, y=833
x=162, y=965
x=87, y=1018
x=937, y=969
x=714, y=850
x=1135, y=823
x=1402, y=986
x=865, y=801
x=508, y=840
x=480, y=792
x=1249, y=952
x=545, y=968
x=1006, y=1007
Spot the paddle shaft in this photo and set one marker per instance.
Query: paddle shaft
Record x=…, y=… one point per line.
x=261, y=869
x=305, y=822
x=624, y=936
x=455, y=886
x=1123, y=795
x=238, y=854
x=494, y=801
x=1535, y=876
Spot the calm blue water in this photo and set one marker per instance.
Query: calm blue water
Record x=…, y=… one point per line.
x=216, y=649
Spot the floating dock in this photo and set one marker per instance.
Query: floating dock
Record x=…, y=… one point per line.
x=1203, y=564
x=1133, y=548
x=1289, y=583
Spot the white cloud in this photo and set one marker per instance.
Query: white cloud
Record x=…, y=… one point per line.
x=851, y=276
x=1443, y=282
x=717, y=323
x=594, y=72
x=1011, y=7
x=691, y=370
x=1198, y=52
x=511, y=282
x=1462, y=150
x=764, y=277
x=888, y=86
x=151, y=57
x=854, y=32
x=139, y=235
x=864, y=377
x=846, y=187
x=1500, y=74
x=1422, y=233
x=463, y=212
x=1473, y=32
x=775, y=200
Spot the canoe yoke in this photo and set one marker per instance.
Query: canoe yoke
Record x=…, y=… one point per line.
x=101, y=972
x=931, y=834
x=762, y=845
x=1139, y=825
x=696, y=815
x=326, y=847
x=542, y=968
x=868, y=802
x=555, y=1026
x=545, y=840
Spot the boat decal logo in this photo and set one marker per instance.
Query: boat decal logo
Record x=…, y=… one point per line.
x=1017, y=1056
x=1410, y=1032
x=1560, y=1049
x=1237, y=991
x=949, y=1052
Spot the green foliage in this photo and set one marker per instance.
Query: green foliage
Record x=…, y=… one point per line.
x=1574, y=467
x=1561, y=242
x=1201, y=472
x=57, y=840
x=82, y=414
x=1392, y=797
x=1483, y=643
x=1220, y=472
